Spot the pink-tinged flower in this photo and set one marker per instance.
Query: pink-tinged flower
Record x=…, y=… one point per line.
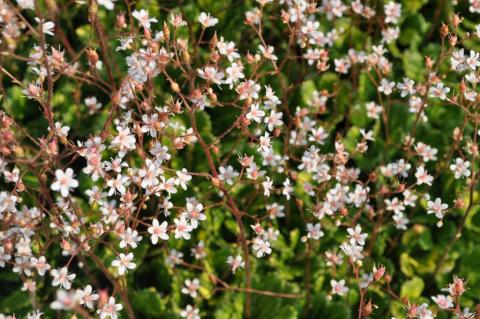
x=190, y=287
x=235, y=262
x=190, y=312
x=143, y=18
x=206, y=20
x=183, y=228
x=130, y=238
x=64, y=181
x=460, y=168
x=158, y=230
x=423, y=177
x=86, y=296
x=62, y=278
x=437, y=208
x=261, y=247
x=338, y=287
x=255, y=114
x=444, y=302
x=110, y=310
x=439, y=91
x=356, y=236
x=314, y=231
x=123, y=263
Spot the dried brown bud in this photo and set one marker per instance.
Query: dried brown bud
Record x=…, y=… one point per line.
x=367, y=309
x=388, y=278
x=444, y=30
x=213, y=41
x=458, y=203
x=175, y=87
x=92, y=57
x=215, y=182
x=166, y=32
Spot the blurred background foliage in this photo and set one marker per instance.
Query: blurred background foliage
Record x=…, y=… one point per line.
x=410, y=256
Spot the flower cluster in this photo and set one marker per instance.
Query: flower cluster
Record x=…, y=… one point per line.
x=290, y=146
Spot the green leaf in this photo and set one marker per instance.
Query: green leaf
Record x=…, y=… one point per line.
x=16, y=302
x=149, y=303
x=408, y=264
x=412, y=288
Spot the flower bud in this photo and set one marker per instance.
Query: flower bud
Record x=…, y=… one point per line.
x=378, y=273
x=457, y=20
x=92, y=57
x=367, y=308
x=175, y=87
x=166, y=31
x=452, y=39
x=444, y=30
x=120, y=22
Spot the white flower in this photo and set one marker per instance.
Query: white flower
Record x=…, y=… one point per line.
x=130, y=238
x=444, y=302
x=86, y=296
x=207, y=20
x=118, y=184
x=123, y=263
x=273, y=120
x=407, y=87
x=423, y=177
x=261, y=247
x=158, y=231
x=287, y=188
x=40, y=264
x=267, y=52
x=191, y=287
x=183, y=178
x=314, y=231
x=143, y=18
x=108, y=4
x=338, y=287
x=182, y=229
x=255, y=114
x=47, y=26
x=373, y=110
x=460, y=168
x=62, y=277
x=7, y=202
x=64, y=181
x=386, y=86
x=437, y=208
x=439, y=91
x=110, y=310
x=235, y=262
x=190, y=313
x=65, y=300
x=267, y=186
x=392, y=12
x=26, y=4
x=124, y=141
x=227, y=174
x=356, y=236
